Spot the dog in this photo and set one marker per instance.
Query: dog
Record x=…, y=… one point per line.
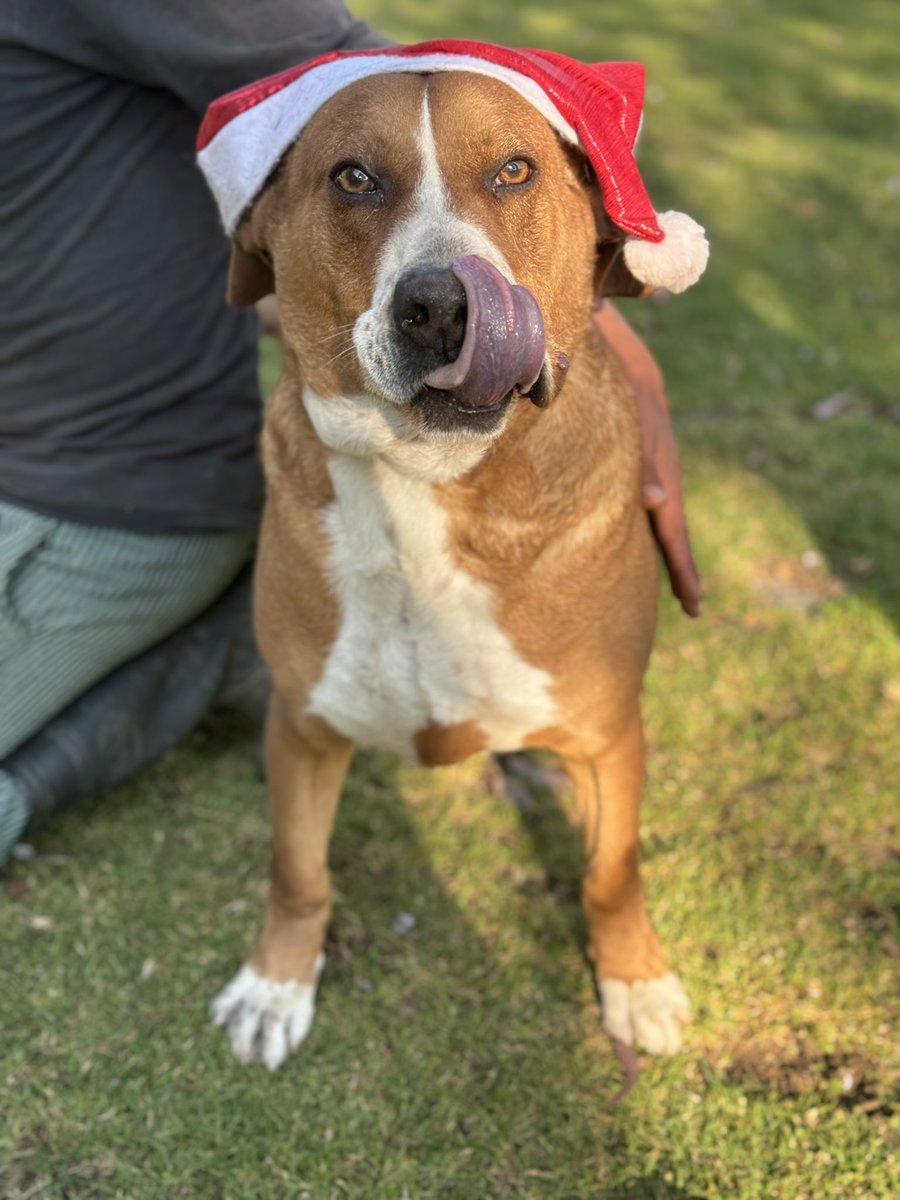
x=454, y=556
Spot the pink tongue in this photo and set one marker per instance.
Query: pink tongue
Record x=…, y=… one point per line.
x=504, y=345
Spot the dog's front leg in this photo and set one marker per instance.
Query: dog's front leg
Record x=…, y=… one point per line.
x=643, y=1002
x=268, y=1007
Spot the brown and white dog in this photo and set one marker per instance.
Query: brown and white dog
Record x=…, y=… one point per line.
x=445, y=566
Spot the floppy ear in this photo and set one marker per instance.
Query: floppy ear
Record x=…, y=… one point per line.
x=611, y=275
x=249, y=276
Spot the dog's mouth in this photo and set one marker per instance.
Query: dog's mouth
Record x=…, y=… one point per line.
x=443, y=412
x=502, y=353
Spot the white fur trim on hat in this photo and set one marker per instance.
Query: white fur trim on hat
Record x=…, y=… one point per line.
x=242, y=155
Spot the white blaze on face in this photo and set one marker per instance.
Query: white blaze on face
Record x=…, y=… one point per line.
x=431, y=235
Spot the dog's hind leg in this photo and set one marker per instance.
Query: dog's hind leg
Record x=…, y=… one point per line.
x=644, y=1004
x=269, y=1005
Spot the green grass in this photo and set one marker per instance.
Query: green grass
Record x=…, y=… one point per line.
x=467, y=1058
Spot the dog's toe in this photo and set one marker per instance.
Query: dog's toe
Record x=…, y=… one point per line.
x=649, y=1013
x=265, y=1020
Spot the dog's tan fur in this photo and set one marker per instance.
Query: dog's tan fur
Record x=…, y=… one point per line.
x=550, y=520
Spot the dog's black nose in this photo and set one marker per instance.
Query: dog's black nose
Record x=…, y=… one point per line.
x=429, y=309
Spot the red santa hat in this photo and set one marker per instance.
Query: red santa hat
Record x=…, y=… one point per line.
x=596, y=107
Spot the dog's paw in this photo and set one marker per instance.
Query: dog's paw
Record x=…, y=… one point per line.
x=648, y=1013
x=265, y=1020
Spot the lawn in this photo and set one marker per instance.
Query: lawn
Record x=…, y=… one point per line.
x=465, y=1057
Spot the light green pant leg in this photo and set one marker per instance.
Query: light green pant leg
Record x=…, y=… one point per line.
x=13, y=814
x=77, y=601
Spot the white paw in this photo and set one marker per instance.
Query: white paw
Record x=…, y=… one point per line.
x=265, y=1020
x=647, y=1013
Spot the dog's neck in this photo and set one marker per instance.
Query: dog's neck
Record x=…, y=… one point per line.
x=573, y=466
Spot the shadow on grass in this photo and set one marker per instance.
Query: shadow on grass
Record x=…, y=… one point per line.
x=426, y=1069
x=461, y=1059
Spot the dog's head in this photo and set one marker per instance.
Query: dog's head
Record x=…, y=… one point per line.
x=434, y=246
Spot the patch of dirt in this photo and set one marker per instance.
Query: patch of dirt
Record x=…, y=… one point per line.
x=795, y=1068
x=802, y=584
x=18, y=1183
x=17, y=889
x=876, y=917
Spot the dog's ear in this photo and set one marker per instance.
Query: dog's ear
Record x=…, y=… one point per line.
x=250, y=275
x=611, y=276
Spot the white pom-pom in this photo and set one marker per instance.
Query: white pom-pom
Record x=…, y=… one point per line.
x=674, y=263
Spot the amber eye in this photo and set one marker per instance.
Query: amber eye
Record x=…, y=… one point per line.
x=355, y=181
x=514, y=173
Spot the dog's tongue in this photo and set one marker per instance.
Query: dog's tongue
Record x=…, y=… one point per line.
x=504, y=343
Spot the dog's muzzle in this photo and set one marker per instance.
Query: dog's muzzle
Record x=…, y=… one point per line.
x=478, y=337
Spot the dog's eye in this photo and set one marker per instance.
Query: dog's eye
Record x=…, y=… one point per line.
x=514, y=173
x=355, y=181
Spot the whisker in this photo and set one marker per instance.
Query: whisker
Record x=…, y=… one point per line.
x=341, y=331
x=340, y=354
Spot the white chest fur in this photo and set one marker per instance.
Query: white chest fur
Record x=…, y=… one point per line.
x=418, y=641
